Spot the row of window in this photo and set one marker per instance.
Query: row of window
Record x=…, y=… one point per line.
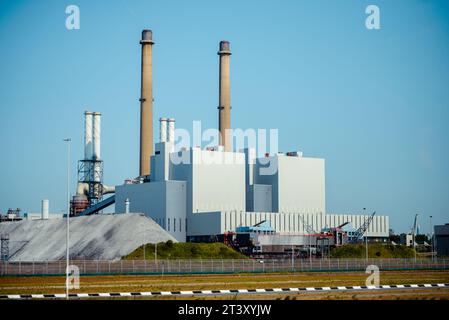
x=172, y=224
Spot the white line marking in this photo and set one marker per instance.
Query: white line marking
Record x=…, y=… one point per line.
x=186, y=292
x=127, y=294
x=310, y=289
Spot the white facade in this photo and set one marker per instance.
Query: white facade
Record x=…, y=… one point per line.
x=298, y=183
x=38, y=216
x=162, y=201
x=215, y=179
x=284, y=223
x=197, y=192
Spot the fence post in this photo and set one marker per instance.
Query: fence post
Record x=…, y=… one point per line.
x=233, y=270
x=190, y=265
x=121, y=266
x=253, y=265
x=222, y=266
x=201, y=265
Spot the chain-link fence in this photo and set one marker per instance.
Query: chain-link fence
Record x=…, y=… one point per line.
x=186, y=266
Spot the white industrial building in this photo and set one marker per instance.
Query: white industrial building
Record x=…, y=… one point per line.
x=195, y=194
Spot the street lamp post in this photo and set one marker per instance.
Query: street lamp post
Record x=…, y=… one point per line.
x=155, y=253
x=431, y=238
x=68, y=140
x=366, y=239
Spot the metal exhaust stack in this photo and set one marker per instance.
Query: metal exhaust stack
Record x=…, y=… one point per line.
x=224, y=105
x=162, y=129
x=88, y=143
x=96, y=130
x=146, y=103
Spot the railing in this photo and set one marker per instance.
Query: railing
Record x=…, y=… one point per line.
x=187, y=266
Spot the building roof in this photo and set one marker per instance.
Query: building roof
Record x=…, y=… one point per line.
x=442, y=230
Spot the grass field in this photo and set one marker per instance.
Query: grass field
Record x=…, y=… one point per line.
x=185, y=250
x=376, y=250
x=91, y=284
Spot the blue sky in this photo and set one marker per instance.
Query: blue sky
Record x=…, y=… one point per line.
x=373, y=103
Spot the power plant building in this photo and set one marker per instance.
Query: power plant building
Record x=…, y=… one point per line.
x=197, y=194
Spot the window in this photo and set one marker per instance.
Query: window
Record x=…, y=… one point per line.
x=174, y=224
x=186, y=224
x=168, y=224
x=180, y=225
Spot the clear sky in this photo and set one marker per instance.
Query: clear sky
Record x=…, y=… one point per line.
x=373, y=103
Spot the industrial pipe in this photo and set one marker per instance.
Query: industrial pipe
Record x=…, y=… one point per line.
x=96, y=128
x=171, y=129
x=88, y=135
x=162, y=129
x=45, y=209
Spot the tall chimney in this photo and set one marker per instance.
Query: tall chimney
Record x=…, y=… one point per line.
x=88, y=147
x=171, y=129
x=162, y=129
x=146, y=103
x=224, y=105
x=96, y=129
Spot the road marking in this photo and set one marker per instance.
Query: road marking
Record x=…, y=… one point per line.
x=208, y=292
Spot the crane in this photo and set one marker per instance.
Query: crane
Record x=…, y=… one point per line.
x=362, y=229
x=415, y=223
x=309, y=228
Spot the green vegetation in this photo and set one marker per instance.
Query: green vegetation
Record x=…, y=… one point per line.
x=376, y=250
x=187, y=250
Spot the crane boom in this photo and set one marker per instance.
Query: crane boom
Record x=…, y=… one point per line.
x=309, y=228
x=362, y=229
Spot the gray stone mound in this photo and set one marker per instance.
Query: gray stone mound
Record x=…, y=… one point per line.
x=100, y=237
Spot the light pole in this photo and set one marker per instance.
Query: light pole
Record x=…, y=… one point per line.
x=366, y=238
x=68, y=140
x=155, y=253
x=431, y=237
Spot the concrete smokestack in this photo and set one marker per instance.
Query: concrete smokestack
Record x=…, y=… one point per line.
x=162, y=129
x=224, y=105
x=146, y=103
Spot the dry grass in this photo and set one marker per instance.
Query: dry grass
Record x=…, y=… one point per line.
x=24, y=285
